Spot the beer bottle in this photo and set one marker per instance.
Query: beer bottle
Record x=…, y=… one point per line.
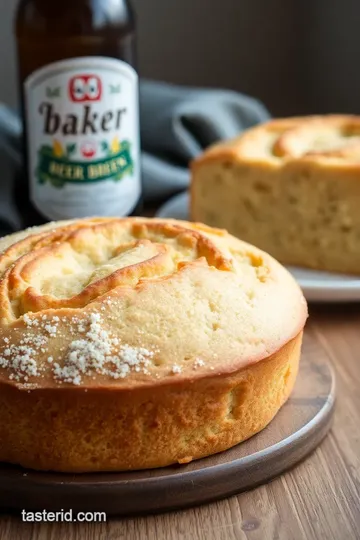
x=80, y=102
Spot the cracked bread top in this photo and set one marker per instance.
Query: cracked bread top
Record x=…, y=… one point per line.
x=325, y=141
x=123, y=303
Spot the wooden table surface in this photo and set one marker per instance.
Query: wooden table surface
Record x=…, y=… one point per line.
x=319, y=499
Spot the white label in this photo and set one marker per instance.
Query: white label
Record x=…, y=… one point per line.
x=83, y=138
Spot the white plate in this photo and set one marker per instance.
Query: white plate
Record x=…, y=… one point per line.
x=317, y=286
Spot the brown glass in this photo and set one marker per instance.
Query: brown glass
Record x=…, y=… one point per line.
x=48, y=31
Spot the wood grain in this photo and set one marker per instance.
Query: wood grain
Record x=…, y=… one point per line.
x=319, y=499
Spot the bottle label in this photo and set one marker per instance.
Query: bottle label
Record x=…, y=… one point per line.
x=83, y=138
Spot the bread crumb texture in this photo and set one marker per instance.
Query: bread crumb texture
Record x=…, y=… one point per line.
x=291, y=187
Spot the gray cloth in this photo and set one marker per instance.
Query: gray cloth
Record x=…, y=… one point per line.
x=177, y=123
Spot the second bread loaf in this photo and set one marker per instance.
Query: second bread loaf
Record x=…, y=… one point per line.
x=291, y=187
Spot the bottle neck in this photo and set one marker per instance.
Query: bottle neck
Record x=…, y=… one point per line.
x=45, y=3
x=114, y=5
x=75, y=17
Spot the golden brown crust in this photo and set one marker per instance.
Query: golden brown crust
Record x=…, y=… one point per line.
x=124, y=343
x=72, y=430
x=145, y=283
x=290, y=187
x=330, y=140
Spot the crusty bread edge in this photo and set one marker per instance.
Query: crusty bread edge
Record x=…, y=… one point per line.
x=85, y=431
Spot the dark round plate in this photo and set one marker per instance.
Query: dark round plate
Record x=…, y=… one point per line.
x=297, y=429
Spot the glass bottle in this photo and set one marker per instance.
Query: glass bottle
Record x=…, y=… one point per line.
x=80, y=105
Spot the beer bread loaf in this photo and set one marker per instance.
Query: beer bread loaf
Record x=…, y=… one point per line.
x=290, y=187
x=136, y=343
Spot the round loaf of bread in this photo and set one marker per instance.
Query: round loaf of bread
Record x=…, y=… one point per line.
x=139, y=343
